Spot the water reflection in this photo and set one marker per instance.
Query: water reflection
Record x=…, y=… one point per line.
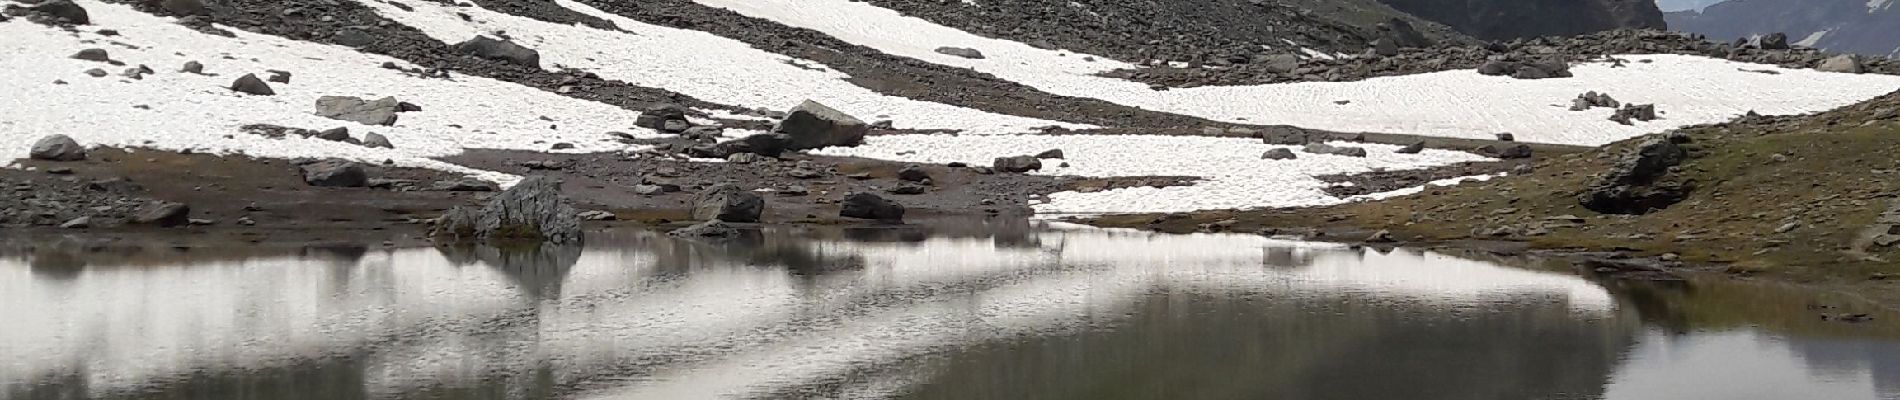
x=991, y=309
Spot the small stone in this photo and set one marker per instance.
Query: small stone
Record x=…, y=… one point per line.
x=1279, y=154
x=193, y=67
x=97, y=73
x=375, y=140
x=1788, y=227
x=98, y=55
x=913, y=173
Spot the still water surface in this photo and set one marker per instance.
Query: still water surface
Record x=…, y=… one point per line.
x=1001, y=310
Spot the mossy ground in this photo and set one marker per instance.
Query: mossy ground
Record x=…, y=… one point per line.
x=1830, y=175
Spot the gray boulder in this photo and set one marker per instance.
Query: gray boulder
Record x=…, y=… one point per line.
x=728, y=203
x=1414, y=148
x=162, y=214
x=1017, y=164
x=1281, y=153
x=249, y=84
x=1280, y=63
x=490, y=48
x=377, y=140
x=193, y=67
x=913, y=173
x=344, y=108
x=1845, y=63
x=335, y=173
x=1385, y=47
x=961, y=52
x=812, y=125
x=531, y=211
x=277, y=76
x=58, y=148
x=1772, y=41
x=871, y=206
x=1640, y=180
x=1051, y=153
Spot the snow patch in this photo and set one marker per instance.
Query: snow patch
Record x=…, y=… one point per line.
x=1461, y=104
x=176, y=111
x=1234, y=175
x=698, y=64
x=1813, y=38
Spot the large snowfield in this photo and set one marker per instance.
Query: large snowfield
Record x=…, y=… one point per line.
x=175, y=111
x=1688, y=90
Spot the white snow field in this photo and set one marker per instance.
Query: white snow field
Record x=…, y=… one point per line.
x=197, y=112
x=1688, y=90
x=1234, y=175
x=698, y=64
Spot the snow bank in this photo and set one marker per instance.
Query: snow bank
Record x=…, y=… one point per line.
x=1235, y=176
x=173, y=110
x=1463, y=104
x=698, y=64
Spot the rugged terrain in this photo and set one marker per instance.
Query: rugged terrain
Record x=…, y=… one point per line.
x=1808, y=198
x=1861, y=27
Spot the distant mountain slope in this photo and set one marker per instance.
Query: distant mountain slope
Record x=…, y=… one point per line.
x=1512, y=19
x=1848, y=26
x=1174, y=30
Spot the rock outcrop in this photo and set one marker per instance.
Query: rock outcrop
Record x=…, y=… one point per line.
x=1641, y=180
x=531, y=211
x=344, y=108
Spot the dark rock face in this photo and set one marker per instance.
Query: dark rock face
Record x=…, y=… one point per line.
x=490, y=48
x=344, y=108
x=533, y=211
x=162, y=214
x=1850, y=26
x=1211, y=32
x=58, y=148
x=1640, y=182
x=1516, y=19
x=335, y=173
x=728, y=203
x=812, y=125
x=870, y=206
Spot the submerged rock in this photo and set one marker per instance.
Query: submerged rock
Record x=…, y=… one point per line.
x=708, y=229
x=532, y=211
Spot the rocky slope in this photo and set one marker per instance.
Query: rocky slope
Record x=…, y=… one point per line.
x=1839, y=26
x=1578, y=48
x=1189, y=31
x=1515, y=19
